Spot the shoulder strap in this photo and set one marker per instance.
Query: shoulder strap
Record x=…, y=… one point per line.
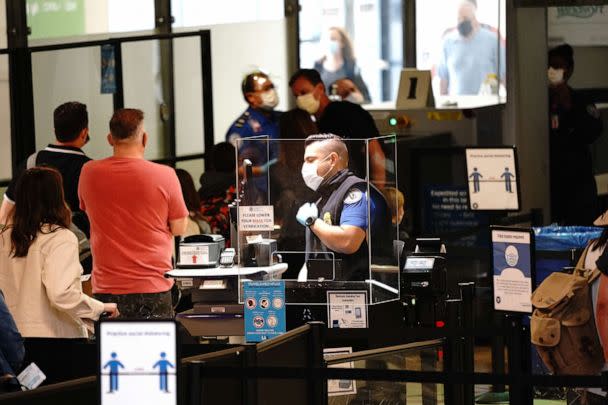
x=590, y=274
x=581, y=261
x=31, y=160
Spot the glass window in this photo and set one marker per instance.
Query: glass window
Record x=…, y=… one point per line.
x=361, y=40
x=71, y=75
x=188, y=96
x=5, y=121
x=143, y=89
x=70, y=18
x=191, y=13
x=464, y=48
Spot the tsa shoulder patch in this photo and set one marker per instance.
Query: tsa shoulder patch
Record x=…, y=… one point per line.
x=354, y=195
x=593, y=111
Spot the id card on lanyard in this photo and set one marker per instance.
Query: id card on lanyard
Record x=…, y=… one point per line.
x=554, y=121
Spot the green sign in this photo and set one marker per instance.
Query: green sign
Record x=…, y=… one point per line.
x=579, y=12
x=55, y=18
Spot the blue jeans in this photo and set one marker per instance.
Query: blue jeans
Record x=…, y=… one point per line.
x=12, y=351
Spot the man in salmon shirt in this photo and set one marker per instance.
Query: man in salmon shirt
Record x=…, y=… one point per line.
x=135, y=208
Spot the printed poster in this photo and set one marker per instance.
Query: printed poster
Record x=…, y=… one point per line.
x=512, y=264
x=492, y=179
x=264, y=310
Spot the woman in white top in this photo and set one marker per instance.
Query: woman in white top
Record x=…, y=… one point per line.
x=39, y=267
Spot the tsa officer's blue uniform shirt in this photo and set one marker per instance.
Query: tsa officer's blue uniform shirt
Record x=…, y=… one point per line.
x=255, y=123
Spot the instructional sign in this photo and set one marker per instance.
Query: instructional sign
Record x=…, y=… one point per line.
x=340, y=387
x=513, y=269
x=194, y=255
x=256, y=218
x=347, y=309
x=492, y=179
x=264, y=309
x=138, y=362
x=446, y=210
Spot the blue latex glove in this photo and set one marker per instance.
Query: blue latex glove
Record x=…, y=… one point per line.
x=264, y=168
x=307, y=210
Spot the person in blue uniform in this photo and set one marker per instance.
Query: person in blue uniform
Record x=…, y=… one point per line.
x=338, y=221
x=574, y=124
x=259, y=120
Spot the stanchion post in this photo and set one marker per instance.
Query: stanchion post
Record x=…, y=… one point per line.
x=520, y=392
x=498, y=350
x=453, y=358
x=193, y=390
x=467, y=293
x=317, y=384
x=249, y=384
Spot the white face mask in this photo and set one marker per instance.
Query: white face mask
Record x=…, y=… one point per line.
x=270, y=99
x=555, y=76
x=310, y=176
x=308, y=103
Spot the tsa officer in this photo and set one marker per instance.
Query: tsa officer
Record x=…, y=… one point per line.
x=258, y=120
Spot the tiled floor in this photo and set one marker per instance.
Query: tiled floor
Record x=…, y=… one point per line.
x=386, y=393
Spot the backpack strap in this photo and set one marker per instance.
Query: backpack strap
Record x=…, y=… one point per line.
x=590, y=274
x=581, y=261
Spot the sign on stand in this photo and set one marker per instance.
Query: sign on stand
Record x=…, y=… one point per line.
x=513, y=269
x=264, y=309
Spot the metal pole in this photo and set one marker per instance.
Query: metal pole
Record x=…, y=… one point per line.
x=453, y=353
x=520, y=393
x=467, y=293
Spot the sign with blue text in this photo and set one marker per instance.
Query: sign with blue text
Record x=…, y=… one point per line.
x=264, y=309
x=513, y=266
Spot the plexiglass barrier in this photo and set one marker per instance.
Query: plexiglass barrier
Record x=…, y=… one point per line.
x=420, y=356
x=324, y=209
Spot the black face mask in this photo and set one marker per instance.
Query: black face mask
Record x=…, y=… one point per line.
x=465, y=27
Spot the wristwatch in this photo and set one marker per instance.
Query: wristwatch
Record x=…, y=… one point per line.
x=309, y=221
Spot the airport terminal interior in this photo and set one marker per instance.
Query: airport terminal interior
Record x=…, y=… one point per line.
x=333, y=202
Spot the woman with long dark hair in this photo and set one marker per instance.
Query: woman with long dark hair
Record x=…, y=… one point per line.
x=599, y=295
x=39, y=267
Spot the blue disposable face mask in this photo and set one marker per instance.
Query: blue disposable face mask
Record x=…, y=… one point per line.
x=333, y=47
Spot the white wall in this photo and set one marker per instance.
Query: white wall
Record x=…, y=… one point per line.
x=188, y=96
x=525, y=115
x=70, y=75
x=237, y=49
x=142, y=86
x=590, y=67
